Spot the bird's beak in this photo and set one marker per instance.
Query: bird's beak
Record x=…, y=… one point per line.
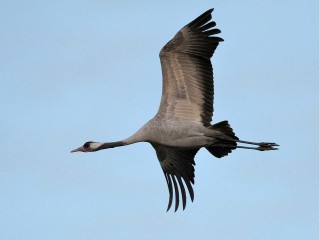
x=80, y=149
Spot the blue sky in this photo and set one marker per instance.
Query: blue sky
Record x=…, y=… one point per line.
x=73, y=71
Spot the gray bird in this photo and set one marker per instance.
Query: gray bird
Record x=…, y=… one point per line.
x=183, y=123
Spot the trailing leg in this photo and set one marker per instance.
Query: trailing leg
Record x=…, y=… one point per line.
x=228, y=141
x=260, y=148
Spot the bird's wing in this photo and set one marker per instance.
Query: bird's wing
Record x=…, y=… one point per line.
x=187, y=91
x=177, y=165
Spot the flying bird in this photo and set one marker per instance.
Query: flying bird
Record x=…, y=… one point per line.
x=182, y=124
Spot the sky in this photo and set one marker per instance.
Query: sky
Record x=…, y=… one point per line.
x=74, y=71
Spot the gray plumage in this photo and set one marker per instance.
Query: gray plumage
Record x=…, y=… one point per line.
x=183, y=123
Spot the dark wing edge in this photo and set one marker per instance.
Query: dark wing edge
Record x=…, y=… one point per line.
x=196, y=38
x=177, y=165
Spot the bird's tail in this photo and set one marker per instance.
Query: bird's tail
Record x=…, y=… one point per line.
x=223, y=147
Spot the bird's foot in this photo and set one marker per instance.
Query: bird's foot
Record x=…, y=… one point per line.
x=265, y=146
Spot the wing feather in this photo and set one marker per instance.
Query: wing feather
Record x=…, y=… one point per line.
x=170, y=191
x=176, y=191
x=183, y=192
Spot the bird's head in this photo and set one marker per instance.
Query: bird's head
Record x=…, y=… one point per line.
x=87, y=147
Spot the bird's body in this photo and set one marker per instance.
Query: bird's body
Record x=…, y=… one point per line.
x=173, y=134
x=182, y=124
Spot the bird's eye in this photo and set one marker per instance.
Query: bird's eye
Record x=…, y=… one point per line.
x=86, y=145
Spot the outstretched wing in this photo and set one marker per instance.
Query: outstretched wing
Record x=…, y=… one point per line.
x=187, y=91
x=177, y=164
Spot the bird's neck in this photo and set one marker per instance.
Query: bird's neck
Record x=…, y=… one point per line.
x=139, y=136
x=110, y=145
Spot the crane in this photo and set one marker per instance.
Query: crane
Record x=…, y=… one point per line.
x=182, y=124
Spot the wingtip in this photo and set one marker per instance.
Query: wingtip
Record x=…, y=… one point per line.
x=219, y=39
x=209, y=11
x=169, y=205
